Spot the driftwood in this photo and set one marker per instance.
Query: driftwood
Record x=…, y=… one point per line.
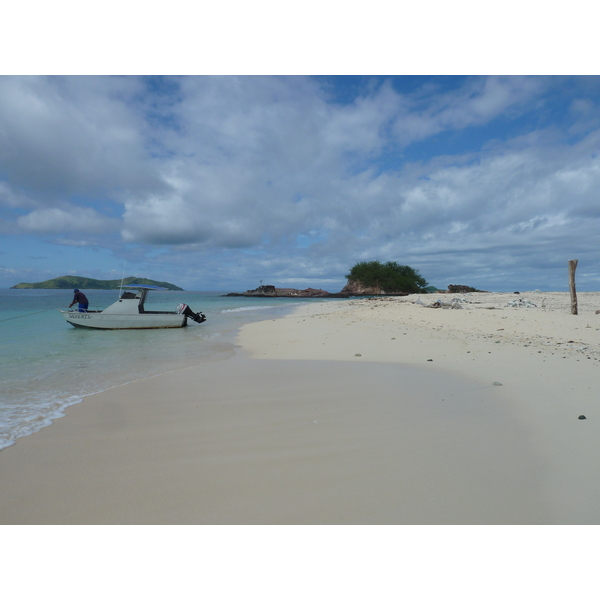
x=572, y=267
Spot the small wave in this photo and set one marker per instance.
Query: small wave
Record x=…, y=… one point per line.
x=245, y=308
x=31, y=423
x=260, y=307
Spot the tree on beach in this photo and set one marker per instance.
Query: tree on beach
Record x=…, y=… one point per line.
x=389, y=277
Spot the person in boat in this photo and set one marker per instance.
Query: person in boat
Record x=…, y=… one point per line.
x=81, y=300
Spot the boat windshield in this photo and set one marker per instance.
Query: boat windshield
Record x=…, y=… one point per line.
x=131, y=295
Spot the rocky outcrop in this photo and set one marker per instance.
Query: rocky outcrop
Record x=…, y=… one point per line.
x=352, y=288
x=356, y=288
x=270, y=291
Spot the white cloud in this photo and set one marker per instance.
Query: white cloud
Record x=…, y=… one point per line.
x=13, y=198
x=73, y=243
x=479, y=101
x=57, y=220
x=72, y=134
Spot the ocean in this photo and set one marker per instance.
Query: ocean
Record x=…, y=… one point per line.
x=47, y=365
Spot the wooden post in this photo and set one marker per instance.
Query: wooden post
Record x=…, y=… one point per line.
x=572, y=267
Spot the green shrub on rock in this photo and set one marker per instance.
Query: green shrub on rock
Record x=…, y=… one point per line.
x=388, y=278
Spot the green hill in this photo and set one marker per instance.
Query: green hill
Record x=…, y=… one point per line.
x=85, y=283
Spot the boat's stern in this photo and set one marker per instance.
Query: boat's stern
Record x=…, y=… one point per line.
x=184, y=309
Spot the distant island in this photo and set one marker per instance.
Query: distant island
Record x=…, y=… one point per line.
x=85, y=283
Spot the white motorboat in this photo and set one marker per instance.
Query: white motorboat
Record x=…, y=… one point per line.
x=129, y=313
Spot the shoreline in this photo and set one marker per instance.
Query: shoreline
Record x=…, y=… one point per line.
x=69, y=364
x=377, y=411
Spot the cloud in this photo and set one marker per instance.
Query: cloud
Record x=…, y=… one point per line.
x=57, y=220
x=532, y=206
x=73, y=243
x=258, y=174
x=272, y=157
x=12, y=198
x=72, y=134
x=476, y=103
x=257, y=157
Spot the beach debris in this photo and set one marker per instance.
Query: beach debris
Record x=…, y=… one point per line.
x=358, y=355
x=454, y=303
x=522, y=303
x=582, y=417
x=496, y=383
x=430, y=360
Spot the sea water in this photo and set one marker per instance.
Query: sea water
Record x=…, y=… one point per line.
x=46, y=364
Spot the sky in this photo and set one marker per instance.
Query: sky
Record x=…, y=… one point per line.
x=223, y=182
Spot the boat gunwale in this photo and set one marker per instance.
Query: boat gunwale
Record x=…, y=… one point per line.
x=127, y=328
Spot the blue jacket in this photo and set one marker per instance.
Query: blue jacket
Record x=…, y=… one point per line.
x=80, y=298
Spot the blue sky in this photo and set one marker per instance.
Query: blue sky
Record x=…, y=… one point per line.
x=219, y=182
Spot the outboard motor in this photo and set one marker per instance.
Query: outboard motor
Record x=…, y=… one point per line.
x=184, y=309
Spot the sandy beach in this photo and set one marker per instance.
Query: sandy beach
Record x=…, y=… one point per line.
x=367, y=411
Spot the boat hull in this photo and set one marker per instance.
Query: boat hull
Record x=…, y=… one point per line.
x=99, y=320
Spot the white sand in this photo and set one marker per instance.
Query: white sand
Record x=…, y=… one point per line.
x=297, y=428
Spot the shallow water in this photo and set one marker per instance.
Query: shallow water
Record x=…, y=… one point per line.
x=47, y=365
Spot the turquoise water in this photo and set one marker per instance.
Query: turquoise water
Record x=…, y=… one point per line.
x=47, y=365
